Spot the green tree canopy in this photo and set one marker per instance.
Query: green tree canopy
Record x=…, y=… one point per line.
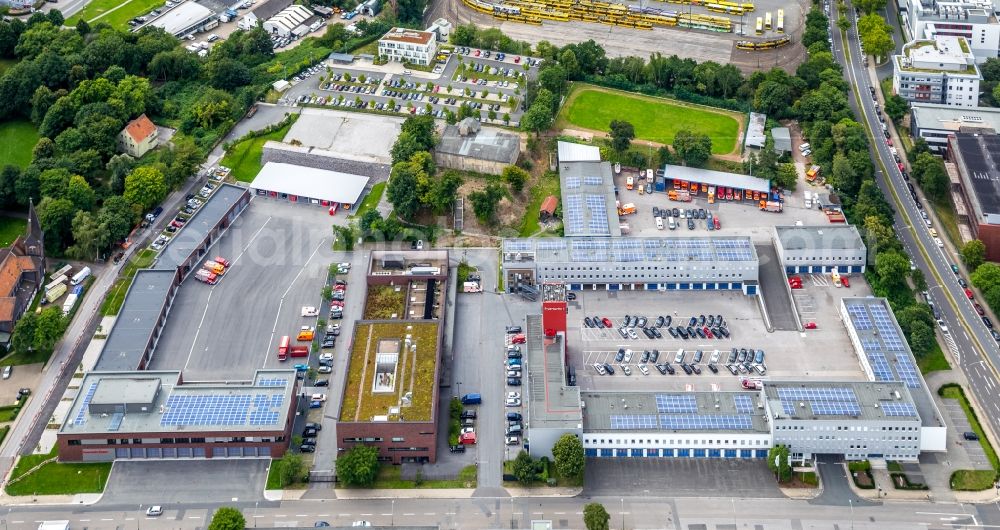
x=974, y=254
x=227, y=518
x=622, y=134
x=515, y=177
x=692, y=147
x=569, y=456
x=596, y=517
x=358, y=466
x=144, y=188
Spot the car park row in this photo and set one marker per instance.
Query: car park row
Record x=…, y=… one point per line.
x=739, y=361
x=193, y=201
x=672, y=218
x=699, y=327
x=514, y=338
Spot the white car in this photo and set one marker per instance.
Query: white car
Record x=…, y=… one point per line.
x=643, y=369
x=628, y=356
x=344, y=265
x=325, y=369
x=154, y=511
x=600, y=368
x=318, y=397
x=939, y=243
x=328, y=356
x=631, y=333
x=6, y=371
x=361, y=523
x=469, y=430
x=513, y=440
x=513, y=402
x=309, y=311
x=513, y=395
x=626, y=369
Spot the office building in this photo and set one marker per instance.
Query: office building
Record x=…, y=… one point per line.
x=942, y=70
x=974, y=156
x=935, y=123
x=972, y=19
x=819, y=249
x=409, y=45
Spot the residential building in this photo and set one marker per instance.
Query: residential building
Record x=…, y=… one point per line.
x=22, y=274
x=942, y=70
x=633, y=263
x=819, y=249
x=972, y=19
x=974, y=155
x=138, y=137
x=469, y=147
x=935, y=123
x=408, y=45
x=290, y=20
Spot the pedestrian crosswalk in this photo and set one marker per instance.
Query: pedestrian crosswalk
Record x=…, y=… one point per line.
x=949, y=341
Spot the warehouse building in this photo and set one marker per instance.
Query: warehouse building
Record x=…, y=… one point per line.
x=189, y=17
x=819, y=249
x=860, y=420
x=935, y=123
x=885, y=356
x=619, y=263
x=261, y=13
x=306, y=185
x=154, y=415
x=975, y=156
x=293, y=19
x=468, y=147
x=716, y=185
x=589, y=205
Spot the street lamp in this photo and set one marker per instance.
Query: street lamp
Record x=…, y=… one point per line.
x=850, y=503
x=392, y=517
x=459, y=383
x=623, y=513
x=255, y=503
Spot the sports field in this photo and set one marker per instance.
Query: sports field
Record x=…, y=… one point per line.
x=654, y=119
x=116, y=13
x=17, y=139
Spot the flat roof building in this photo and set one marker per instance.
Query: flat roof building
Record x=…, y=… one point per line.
x=975, y=155
x=619, y=263
x=716, y=179
x=553, y=406
x=782, y=140
x=469, y=147
x=573, y=152
x=935, y=123
x=408, y=45
x=885, y=356
x=820, y=249
x=941, y=70
x=308, y=185
x=183, y=19
x=153, y=415
x=588, y=194
x=973, y=19
x=201, y=230
x=755, y=131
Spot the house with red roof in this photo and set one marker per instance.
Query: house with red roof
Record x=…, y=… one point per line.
x=138, y=137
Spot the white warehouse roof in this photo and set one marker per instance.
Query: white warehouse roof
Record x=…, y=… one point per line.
x=183, y=18
x=291, y=17
x=309, y=182
x=571, y=152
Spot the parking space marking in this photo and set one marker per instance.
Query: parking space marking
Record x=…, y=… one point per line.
x=200, y=323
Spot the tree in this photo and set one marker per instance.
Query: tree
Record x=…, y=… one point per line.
x=552, y=77
x=622, y=134
x=410, y=10
x=896, y=107
x=116, y=218
x=892, y=268
x=516, y=177
x=49, y=328
x=974, y=254
x=56, y=218
x=772, y=97
x=290, y=468
x=405, y=147
x=778, y=463
x=843, y=23
x=596, y=517
x=358, y=466
x=227, y=518
x=403, y=190
x=23, y=339
x=921, y=338
x=485, y=202
x=986, y=276
x=144, y=188
x=569, y=456
x=227, y=74
x=88, y=236
x=524, y=467
x=79, y=192
x=694, y=148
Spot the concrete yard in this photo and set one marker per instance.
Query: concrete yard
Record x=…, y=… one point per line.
x=789, y=354
x=280, y=254
x=354, y=133
x=679, y=477
x=204, y=481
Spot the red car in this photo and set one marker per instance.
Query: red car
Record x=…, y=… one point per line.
x=222, y=261
x=888, y=141
x=517, y=60
x=339, y=287
x=606, y=321
x=708, y=332
x=845, y=281
x=717, y=224
x=900, y=166
x=810, y=325
x=477, y=53
x=979, y=309
x=468, y=438
x=518, y=339
x=968, y=294
x=337, y=303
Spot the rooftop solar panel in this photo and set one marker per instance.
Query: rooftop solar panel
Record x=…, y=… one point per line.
x=81, y=415
x=676, y=403
x=572, y=182
x=229, y=409
x=818, y=394
x=743, y=403
x=593, y=181
x=634, y=421
x=835, y=408
x=706, y=421
x=517, y=245
x=893, y=408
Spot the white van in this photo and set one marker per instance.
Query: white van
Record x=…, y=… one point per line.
x=672, y=223
x=659, y=223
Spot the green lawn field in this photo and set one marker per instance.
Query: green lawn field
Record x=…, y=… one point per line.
x=654, y=119
x=17, y=139
x=244, y=157
x=101, y=10
x=10, y=229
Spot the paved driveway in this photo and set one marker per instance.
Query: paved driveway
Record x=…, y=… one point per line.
x=679, y=477
x=176, y=482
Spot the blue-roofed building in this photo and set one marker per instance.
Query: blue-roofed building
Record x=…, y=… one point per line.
x=154, y=415
x=634, y=263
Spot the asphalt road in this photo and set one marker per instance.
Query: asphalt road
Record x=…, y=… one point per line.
x=975, y=348
x=626, y=511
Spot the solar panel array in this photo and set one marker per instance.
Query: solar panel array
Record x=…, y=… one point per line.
x=598, y=222
x=743, y=403
x=573, y=214
x=822, y=401
x=893, y=408
x=551, y=243
x=277, y=382
x=116, y=421
x=517, y=245
x=229, y=409
x=81, y=415
x=634, y=421
x=885, y=337
x=593, y=181
x=706, y=421
x=676, y=403
x=572, y=183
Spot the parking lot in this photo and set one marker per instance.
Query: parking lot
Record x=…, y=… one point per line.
x=680, y=477
x=488, y=84
x=741, y=218
x=787, y=354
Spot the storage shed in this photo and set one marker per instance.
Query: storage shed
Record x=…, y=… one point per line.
x=548, y=208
